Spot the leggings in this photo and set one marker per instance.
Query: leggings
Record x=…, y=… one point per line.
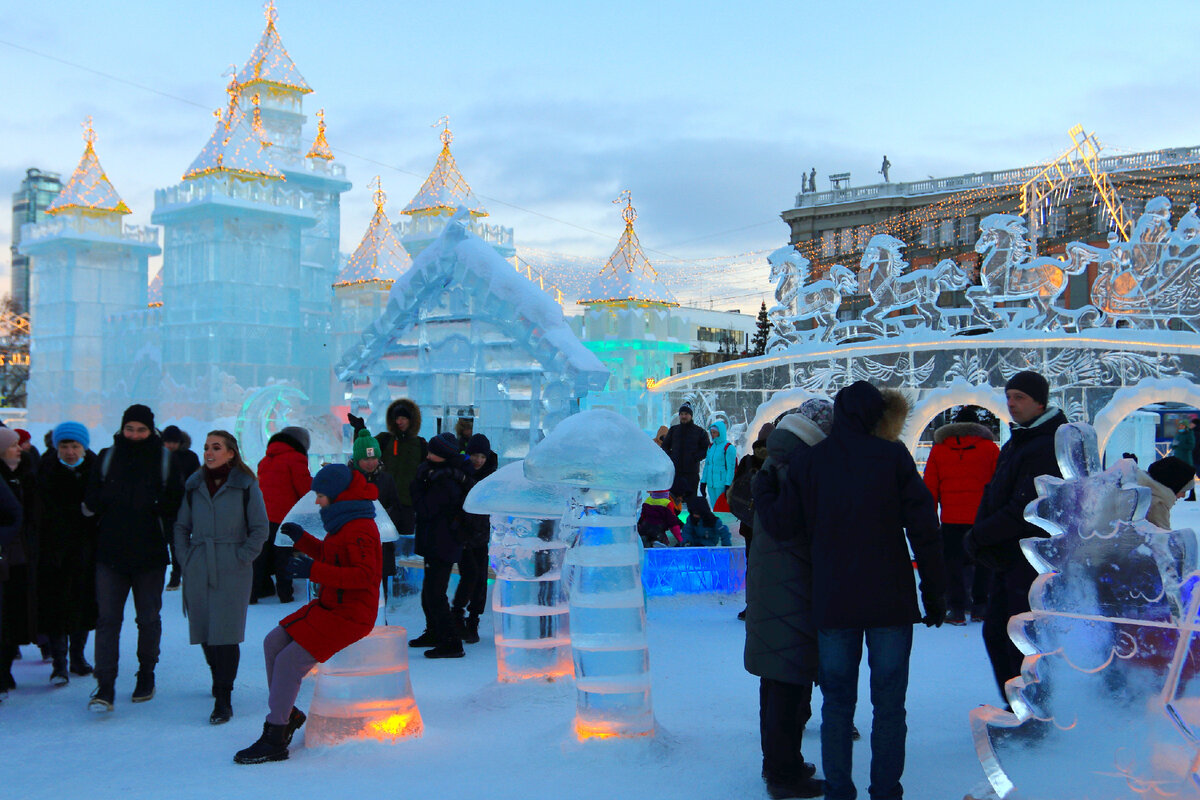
x=287, y=664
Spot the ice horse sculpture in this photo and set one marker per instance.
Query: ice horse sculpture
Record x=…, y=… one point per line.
x=606, y=461
x=1107, y=705
x=533, y=639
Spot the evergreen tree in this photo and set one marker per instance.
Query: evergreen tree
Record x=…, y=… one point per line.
x=762, y=334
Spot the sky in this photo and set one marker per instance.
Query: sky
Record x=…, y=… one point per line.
x=709, y=113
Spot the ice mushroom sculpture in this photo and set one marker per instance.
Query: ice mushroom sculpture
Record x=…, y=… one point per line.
x=1107, y=704
x=529, y=603
x=307, y=515
x=605, y=460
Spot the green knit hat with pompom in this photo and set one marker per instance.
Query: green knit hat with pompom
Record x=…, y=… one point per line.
x=365, y=445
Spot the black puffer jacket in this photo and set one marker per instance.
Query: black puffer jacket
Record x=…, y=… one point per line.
x=438, y=492
x=781, y=642
x=67, y=548
x=479, y=526
x=132, y=502
x=687, y=445
x=1000, y=522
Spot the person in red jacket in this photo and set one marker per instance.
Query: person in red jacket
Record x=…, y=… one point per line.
x=347, y=565
x=284, y=478
x=960, y=464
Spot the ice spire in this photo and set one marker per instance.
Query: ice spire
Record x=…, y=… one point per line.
x=628, y=276
x=320, y=146
x=89, y=189
x=379, y=256
x=154, y=293
x=445, y=189
x=235, y=147
x=270, y=63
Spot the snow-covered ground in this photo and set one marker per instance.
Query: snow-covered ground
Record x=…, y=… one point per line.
x=482, y=739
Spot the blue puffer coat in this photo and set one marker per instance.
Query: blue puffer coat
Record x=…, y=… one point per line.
x=719, y=464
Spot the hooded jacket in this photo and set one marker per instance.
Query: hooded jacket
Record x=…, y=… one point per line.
x=67, y=548
x=283, y=475
x=719, y=463
x=402, y=452
x=960, y=464
x=348, y=569
x=438, y=493
x=686, y=445
x=855, y=498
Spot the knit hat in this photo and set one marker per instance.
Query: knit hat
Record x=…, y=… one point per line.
x=138, y=413
x=820, y=411
x=967, y=414
x=765, y=432
x=444, y=445
x=8, y=437
x=686, y=407
x=332, y=480
x=23, y=435
x=1032, y=384
x=71, y=432
x=365, y=445
x=1173, y=473
x=172, y=433
x=478, y=443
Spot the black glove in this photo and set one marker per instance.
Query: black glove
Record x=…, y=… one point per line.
x=935, y=611
x=357, y=423
x=299, y=567
x=292, y=531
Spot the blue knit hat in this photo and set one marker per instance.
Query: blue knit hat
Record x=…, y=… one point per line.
x=332, y=480
x=444, y=445
x=71, y=432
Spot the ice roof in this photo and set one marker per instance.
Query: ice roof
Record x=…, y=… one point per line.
x=154, y=294
x=270, y=62
x=628, y=276
x=320, y=146
x=445, y=189
x=234, y=148
x=89, y=189
x=379, y=256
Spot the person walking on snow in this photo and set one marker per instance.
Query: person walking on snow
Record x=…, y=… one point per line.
x=180, y=444
x=221, y=528
x=719, y=464
x=21, y=558
x=346, y=565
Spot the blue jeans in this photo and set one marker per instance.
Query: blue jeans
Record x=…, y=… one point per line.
x=839, y=653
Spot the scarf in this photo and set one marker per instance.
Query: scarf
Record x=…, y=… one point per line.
x=335, y=515
x=215, y=478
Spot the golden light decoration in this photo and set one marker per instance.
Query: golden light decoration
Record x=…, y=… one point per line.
x=445, y=189
x=320, y=146
x=379, y=257
x=89, y=190
x=237, y=147
x=269, y=64
x=627, y=276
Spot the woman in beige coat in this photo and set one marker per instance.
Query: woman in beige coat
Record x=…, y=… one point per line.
x=221, y=527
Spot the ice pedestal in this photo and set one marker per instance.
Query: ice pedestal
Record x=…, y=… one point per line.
x=529, y=604
x=607, y=461
x=364, y=692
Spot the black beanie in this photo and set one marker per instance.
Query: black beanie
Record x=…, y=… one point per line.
x=171, y=433
x=1032, y=384
x=967, y=414
x=402, y=411
x=686, y=407
x=138, y=413
x=444, y=445
x=1173, y=473
x=478, y=443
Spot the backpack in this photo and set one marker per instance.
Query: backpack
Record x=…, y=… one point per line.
x=740, y=496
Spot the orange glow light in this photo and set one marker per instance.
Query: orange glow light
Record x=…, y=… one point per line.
x=396, y=726
x=603, y=730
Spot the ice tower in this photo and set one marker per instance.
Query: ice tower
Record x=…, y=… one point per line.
x=627, y=323
x=444, y=191
x=89, y=265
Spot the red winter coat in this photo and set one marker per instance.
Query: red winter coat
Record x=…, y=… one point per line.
x=349, y=568
x=283, y=477
x=960, y=464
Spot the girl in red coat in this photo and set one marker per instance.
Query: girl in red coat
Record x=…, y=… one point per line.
x=347, y=565
x=284, y=477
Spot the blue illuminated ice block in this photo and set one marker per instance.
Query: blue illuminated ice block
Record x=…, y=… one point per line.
x=606, y=461
x=533, y=639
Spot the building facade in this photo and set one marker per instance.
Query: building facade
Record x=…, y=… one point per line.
x=29, y=204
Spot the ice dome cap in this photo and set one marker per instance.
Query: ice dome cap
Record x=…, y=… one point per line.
x=600, y=449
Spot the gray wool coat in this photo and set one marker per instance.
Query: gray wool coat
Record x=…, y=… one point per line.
x=216, y=540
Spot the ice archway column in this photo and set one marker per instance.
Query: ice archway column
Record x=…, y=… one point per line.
x=606, y=461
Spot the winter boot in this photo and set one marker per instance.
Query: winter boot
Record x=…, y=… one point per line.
x=79, y=663
x=471, y=630
x=798, y=787
x=271, y=746
x=426, y=639
x=102, y=698
x=59, y=676
x=143, y=690
x=295, y=722
x=173, y=581
x=223, y=707
x=451, y=648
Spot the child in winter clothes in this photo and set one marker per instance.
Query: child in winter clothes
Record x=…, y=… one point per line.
x=346, y=565
x=659, y=515
x=719, y=463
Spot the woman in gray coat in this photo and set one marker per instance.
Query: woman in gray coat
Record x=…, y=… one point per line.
x=221, y=527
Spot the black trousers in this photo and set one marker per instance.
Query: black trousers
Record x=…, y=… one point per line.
x=223, y=660
x=112, y=589
x=783, y=711
x=1009, y=596
x=281, y=553
x=433, y=599
x=471, y=593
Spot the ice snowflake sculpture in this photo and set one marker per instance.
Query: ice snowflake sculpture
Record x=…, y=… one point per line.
x=1107, y=705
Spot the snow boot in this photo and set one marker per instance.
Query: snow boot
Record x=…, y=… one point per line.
x=59, y=677
x=223, y=707
x=800, y=787
x=271, y=746
x=143, y=690
x=471, y=630
x=451, y=648
x=294, y=723
x=426, y=639
x=102, y=699
x=80, y=666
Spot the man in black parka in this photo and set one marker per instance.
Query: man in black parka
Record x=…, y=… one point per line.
x=687, y=444
x=994, y=539
x=134, y=488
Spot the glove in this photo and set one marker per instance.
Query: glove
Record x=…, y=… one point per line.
x=935, y=611
x=357, y=423
x=292, y=531
x=299, y=567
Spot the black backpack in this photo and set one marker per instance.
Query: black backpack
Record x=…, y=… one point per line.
x=740, y=497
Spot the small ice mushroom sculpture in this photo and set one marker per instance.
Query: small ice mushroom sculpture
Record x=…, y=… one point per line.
x=533, y=639
x=607, y=461
x=307, y=515
x=1107, y=704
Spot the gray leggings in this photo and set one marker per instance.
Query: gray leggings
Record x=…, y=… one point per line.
x=287, y=664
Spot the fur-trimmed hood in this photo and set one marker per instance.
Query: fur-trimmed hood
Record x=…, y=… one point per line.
x=860, y=408
x=414, y=418
x=962, y=429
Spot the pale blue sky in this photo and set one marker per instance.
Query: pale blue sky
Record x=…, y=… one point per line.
x=709, y=112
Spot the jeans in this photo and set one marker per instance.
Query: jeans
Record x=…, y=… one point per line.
x=112, y=589
x=471, y=593
x=783, y=711
x=433, y=599
x=839, y=653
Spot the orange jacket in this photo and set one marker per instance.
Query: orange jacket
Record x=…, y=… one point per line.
x=960, y=464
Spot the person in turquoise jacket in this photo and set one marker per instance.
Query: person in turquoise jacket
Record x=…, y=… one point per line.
x=719, y=464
